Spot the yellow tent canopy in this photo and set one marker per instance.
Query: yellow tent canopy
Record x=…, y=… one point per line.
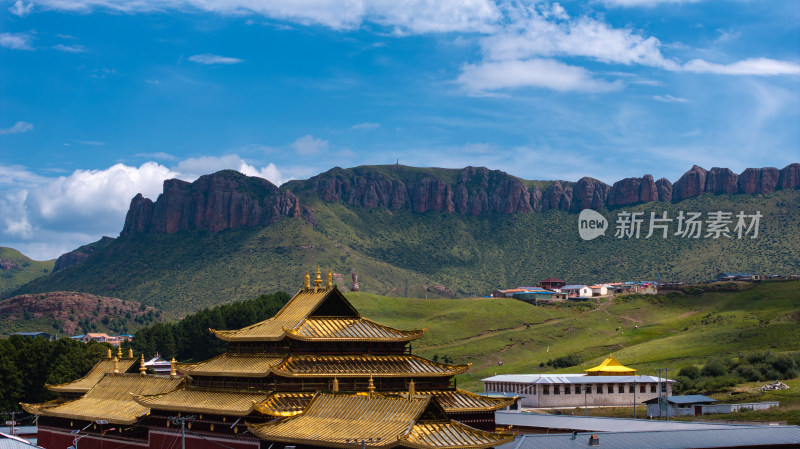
x=610, y=367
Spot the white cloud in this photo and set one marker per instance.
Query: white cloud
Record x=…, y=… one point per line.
x=70, y=48
x=366, y=126
x=646, y=3
x=192, y=168
x=753, y=66
x=16, y=41
x=309, y=145
x=544, y=73
x=670, y=99
x=536, y=33
x=20, y=8
x=18, y=128
x=210, y=59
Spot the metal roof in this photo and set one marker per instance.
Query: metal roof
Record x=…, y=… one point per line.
x=756, y=436
x=599, y=424
x=569, y=379
x=11, y=442
x=573, y=287
x=687, y=399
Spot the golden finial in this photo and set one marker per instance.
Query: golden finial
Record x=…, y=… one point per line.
x=109, y=353
x=142, y=368
x=307, y=283
x=119, y=352
x=116, y=366
x=172, y=372
x=335, y=385
x=329, y=281
x=317, y=280
x=130, y=353
x=412, y=390
x=371, y=387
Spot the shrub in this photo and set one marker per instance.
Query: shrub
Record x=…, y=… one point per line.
x=714, y=368
x=691, y=372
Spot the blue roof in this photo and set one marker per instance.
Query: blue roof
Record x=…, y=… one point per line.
x=759, y=436
x=571, y=287
x=686, y=399
x=29, y=334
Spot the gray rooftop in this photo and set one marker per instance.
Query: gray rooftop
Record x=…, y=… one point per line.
x=686, y=399
x=568, y=379
x=9, y=442
x=735, y=436
x=599, y=424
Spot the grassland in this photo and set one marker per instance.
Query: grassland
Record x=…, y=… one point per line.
x=21, y=270
x=500, y=336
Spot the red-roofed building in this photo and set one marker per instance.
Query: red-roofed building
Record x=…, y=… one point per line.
x=552, y=283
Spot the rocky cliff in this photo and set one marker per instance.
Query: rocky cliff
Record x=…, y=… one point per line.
x=228, y=199
x=79, y=255
x=223, y=200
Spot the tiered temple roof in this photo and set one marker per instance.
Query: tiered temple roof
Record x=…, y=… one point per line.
x=281, y=379
x=610, y=367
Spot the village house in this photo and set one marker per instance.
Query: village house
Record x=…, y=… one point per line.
x=580, y=291
x=552, y=283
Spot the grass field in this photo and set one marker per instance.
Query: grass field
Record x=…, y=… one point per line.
x=501, y=336
x=24, y=269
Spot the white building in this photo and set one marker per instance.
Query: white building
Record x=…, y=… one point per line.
x=582, y=291
x=577, y=390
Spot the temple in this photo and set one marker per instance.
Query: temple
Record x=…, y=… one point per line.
x=317, y=374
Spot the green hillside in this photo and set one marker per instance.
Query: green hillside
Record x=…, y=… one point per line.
x=440, y=255
x=673, y=331
x=17, y=269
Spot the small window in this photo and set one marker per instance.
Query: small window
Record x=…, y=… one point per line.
x=599, y=389
x=621, y=388
x=642, y=388
x=652, y=388
x=545, y=390
x=610, y=388
x=631, y=388
x=557, y=389
x=566, y=389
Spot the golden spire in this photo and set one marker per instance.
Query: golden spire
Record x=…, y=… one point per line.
x=412, y=390
x=371, y=386
x=130, y=353
x=329, y=281
x=307, y=283
x=109, y=353
x=172, y=372
x=142, y=368
x=116, y=366
x=119, y=352
x=317, y=280
x=335, y=385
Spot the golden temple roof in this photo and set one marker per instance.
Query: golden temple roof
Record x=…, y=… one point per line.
x=285, y=404
x=305, y=317
x=610, y=367
x=94, y=375
x=233, y=365
x=364, y=365
x=219, y=402
x=455, y=401
x=337, y=420
x=111, y=399
x=349, y=329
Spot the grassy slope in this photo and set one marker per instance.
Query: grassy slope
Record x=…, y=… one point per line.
x=31, y=269
x=471, y=256
x=486, y=331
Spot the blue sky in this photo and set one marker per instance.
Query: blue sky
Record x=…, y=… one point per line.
x=102, y=99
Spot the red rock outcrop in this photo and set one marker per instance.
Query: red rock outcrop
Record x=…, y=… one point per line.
x=557, y=197
x=692, y=183
x=589, y=193
x=721, y=180
x=789, y=177
x=632, y=191
x=223, y=200
x=664, y=188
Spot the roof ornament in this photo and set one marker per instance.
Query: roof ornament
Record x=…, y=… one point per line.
x=329, y=281
x=317, y=280
x=142, y=368
x=371, y=386
x=109, y=353
x=335, y=385
x=116, y=366
x=307, y=282
x=119, y=352
x=412, y=390
x=130, y=353
x=172, y=372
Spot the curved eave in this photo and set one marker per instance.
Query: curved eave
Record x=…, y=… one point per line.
x=65, y=388
x=318, y=443
x=495, y=403
x=458, y=369
x=37, y=409
x=210, y=411
x=457, y=438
